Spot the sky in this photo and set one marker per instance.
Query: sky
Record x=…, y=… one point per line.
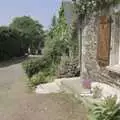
x=41, y=10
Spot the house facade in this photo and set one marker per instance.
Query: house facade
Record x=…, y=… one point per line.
x=100, y=45
x=100, y=58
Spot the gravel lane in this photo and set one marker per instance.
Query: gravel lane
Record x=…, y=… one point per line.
x=17, y=103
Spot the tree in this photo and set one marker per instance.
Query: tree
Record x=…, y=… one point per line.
x=31, y=29
x=10, y=43
x=54, y=21
x=58, y=39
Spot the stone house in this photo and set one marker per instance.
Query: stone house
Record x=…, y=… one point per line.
x=100, y=47
x=100, y=58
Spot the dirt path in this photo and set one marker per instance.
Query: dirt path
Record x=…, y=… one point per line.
x=16, y=103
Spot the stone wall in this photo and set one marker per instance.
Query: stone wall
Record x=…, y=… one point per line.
x=90, y=67
x=89, y=47
x=115, y=40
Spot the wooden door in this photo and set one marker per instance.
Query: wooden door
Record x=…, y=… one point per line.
x=104, y=37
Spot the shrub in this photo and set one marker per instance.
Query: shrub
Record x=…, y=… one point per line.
x=68, y=68
x=34, y=66
x=31, y=67
x=42, y=77
x=109, y=109
x=10, y=43
x=38, y=79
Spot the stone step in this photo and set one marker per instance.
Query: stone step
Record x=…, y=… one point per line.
x=48, y=88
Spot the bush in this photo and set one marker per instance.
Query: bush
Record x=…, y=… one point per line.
x=109, y=109
x=41, y=77
x=68, y=68
x=10, y=43
x=39, y=71
x=38, y=79
x=34, y=66
x=31, y=67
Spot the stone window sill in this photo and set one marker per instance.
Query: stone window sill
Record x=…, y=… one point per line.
x=114, y=68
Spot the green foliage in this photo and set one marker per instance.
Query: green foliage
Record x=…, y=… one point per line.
x=86, y=7
x=34, y=66
x=41, y=77
x=54, y=21
x=58, y=39
x=32, y=30
x=37, y=79
x=31, y=67
x=39, y=71
x=58, y=43
x=10, y=43
x=109, y=109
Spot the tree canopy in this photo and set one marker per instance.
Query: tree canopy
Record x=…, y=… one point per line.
x=10, y=43
x=58, y=39
x=31, y=29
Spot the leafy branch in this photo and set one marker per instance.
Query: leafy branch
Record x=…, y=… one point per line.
x=86, y=7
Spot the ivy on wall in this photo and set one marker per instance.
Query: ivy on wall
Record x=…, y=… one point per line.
x=86, y=7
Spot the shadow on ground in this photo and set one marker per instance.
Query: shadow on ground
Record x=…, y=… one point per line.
x=15, y=61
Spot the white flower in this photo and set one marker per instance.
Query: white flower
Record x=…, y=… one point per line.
x=94, y=4
x=83, y=7
x=89, y=3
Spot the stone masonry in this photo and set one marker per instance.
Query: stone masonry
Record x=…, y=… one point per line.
x=90, y=67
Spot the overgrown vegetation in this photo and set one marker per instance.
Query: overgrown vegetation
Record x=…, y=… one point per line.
x=86, y=7
x=39, y=70
x=33, y=66
x=59, y=43
x=58, y=38
x=61, y=40
x=10, y=43
x=37, y=79
x=109, y=109
x=22, y=33
x=31, y=30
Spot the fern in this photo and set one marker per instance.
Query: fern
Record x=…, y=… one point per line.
x=109, y=109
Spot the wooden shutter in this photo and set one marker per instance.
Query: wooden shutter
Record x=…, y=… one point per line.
x=104, y=35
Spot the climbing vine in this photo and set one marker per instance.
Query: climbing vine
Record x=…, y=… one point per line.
x=86, y=7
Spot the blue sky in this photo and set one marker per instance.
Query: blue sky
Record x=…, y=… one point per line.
x=41, y=10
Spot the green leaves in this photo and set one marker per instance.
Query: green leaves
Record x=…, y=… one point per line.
x=10, y=43
x=86, y=7
x=58, y=39
x=34, y=66
x=109, y=109
x=32, y=28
